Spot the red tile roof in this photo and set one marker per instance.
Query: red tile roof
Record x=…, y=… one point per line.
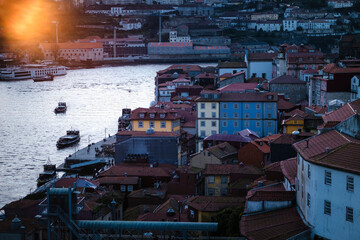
x=232, y=65
x=225, y=75
x=69, y=45
x=118, y=180
x=261, y=56
x=222, y=150
x=289, y=169
x=315, y=146
x=225, y=169
x=333, y=68
x=284, y=105
x=275, y=225
x=138, y=170
x=293, y=117
x=342, y=113
x=296, y=112
x=206, y=75
x=21, y=204
x=214, y=204
x=249, y=97
x=186, y=68
x=262, y=146
x=286, y=79
x=238, y=87
x=318, y=109
x=271, y=195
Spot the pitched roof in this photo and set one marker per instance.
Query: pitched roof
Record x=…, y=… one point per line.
x=118, y=180
x=222, y=150
x=333, y=68
x=238, y=87
x=138, y=170
x=286, y=79
x=20, y=204
x=285, y=105
x=230, y=138
x=293, y=117
x=232, y=65
x=342, y=113
x=214, y=204
x=225, y=169
x=284, y=139
x=168, y=114
x=261, y=56
x=289, y=169
x=249, y=97
x=276, y=225
x=184, y=67
x=315, y=147
x=296, y=112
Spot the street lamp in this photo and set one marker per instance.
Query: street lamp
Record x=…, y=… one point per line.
x=57, y=37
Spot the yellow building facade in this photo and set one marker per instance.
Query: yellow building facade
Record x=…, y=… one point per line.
x=295, y=123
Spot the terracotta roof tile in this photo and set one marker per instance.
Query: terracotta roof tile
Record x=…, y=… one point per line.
x=225, y=169
x=138, y=170
x=284, y=105
x=261, y=56
x=286, y=79
x=238, y=87
x=222, y=150
x=289, y=169
x=333, y=68
x=315, y=146
x=87, y=45
x=118, y=180
x=232, y=65
x=276, y=225
x=144, y=134
x=214, y=204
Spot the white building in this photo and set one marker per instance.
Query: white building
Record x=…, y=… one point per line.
x=290, y=24
x=259, y=64
x=328, y=177
x=268, y=26
x=355, y=88
x=340, y=3
x=78, y=51
x=130, y=24
x=174, y=37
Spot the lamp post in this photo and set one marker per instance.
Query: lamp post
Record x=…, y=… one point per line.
x=57, y=36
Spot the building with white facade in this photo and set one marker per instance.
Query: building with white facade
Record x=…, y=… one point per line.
x=174, y=37
x=355, y=88
x=328, y=175
x=259, y=64
x=77, y=51
x=268, y=26
x=290, y=24
x=340, y=3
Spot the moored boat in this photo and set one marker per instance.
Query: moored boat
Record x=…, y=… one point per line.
x=48, y=174
x=44, y=78
x=61, y=108
x=71, y=137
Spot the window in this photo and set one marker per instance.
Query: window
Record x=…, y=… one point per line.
x=246, y=124
x=130, y=188
x=142, y=115
x=327, y=207
x=202, y=105
x=211, y=179
x=246, y=106
x=192, y=214
x=269, y=124
x=224, y=124
x=308, y=200
x=257, y=106
x=213, y=114
x=224, y=115
x=224, y=179
x=213, y=132
x=269, y=115
x=247, y=115
x=349, y=214
x=302, y=165
x=236, y=106
x=309, y=172
x=202, y=123
x=327, y=177
x=236, y=115
x=123, y=188
x=202, y=114
x=213, y=106
x=257, y=124
x=202, y=133
x=224, y=105
x=258, y=115
x=223, y=191
x=213, y=123
x=152, y=124
x=163, y=124
x=236, y=124
x=162, y=115
x=349, y=183
x=140, y=124
x=211, y=191
x=152, y=115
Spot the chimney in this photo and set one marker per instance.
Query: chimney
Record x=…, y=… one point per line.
x=327, y=150
x=307, y=143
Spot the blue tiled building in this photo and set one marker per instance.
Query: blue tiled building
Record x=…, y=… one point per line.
x=256, y=111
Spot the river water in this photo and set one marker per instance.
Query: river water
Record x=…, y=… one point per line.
x=29, y=128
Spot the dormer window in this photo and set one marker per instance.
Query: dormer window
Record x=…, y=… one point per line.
x=152, y=115
x=162, y=115
x=142, y=115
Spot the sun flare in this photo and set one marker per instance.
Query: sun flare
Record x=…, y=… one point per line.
x=27, y=20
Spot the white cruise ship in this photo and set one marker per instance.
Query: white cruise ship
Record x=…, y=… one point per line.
x=30, y=71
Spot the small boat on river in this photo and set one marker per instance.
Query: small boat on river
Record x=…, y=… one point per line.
x=43, y=78
x=61, y=108
x=71, y=137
